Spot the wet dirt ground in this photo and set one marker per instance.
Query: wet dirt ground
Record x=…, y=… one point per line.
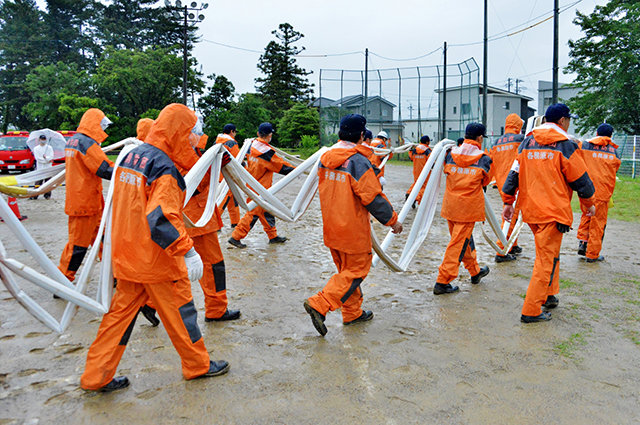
x=463, y=358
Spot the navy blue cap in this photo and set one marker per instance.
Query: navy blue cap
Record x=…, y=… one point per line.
x=368, y=134
x=353, y=123
x=474, y=130
x=425, y=139
x=605, y=130
x=460, y=140
x=557, y=111
x=228, y=128
x=265, y=128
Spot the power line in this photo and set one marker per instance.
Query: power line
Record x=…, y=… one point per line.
x=408, y=59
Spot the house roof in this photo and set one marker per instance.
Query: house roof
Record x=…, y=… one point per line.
x=348, y=101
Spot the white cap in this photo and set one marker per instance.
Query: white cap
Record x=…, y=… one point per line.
x=383, y=134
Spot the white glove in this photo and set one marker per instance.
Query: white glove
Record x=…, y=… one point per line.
x=383, y=181
x=194, y=264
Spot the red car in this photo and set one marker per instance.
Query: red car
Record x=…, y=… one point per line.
x=15, y=155
x=66, y=134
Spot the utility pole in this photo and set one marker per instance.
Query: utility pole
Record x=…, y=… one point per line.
x=184, y=59
x=518, y=88
x=509, y=85
x=366, y=80
x=554, y=95
x=485, y=67
x=444, y=96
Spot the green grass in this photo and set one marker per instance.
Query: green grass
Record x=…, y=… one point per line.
x=626, y=199
x=112, y=157
x=568, y=347
x=566, y=283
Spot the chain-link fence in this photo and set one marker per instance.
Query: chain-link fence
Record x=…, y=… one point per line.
x=628, y=149
x=407, y=103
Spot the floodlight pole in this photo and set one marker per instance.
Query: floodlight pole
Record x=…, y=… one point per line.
x=184, y=59
x=485, y=68
x=554, y=93
x=444, y=97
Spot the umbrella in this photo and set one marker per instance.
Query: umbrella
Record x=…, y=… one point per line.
x=54, y=139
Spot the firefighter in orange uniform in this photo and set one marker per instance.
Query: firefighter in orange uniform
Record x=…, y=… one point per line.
x=205, y=241
x=143, y=128
x=262, y=163
x=381, y=141
x=601, y=156
x=546, y=171
x=503, y=153
x=227, y=138
x=468, y=171
x=349, y=192
x=86, y=166
x=419, y=155
x=153, y=257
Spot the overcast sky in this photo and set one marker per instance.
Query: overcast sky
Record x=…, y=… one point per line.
x=399, y=29
x=393, y=29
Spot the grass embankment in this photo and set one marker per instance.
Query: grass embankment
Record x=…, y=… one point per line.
x=626, y=200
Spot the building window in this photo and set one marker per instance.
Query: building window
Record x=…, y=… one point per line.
x=507, y=105
x=384, y=112
x=501, y=130
x=455, y=110
x=368, y=111
x=465, y=109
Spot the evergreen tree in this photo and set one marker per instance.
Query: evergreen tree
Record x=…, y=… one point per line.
x=46, y=85
x=607, y=65
x=284, y=82
x=70, y=26
x=21, y=39
x=298, y=121
x=220, y=95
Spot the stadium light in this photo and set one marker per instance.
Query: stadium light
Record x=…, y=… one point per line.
x=191, y=16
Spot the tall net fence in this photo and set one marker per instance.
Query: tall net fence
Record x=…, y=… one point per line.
x=407, y=103
x=629, y=151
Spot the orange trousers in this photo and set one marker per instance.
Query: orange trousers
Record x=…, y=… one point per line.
x=343, y=289
x=214, y=280
x=592, y=229
x=514, y=220
x=545, y=279
x=231, y=205
x=249, y=220
x=421, y=193
x=461, y=249
x=82, y=233
x=175, y=307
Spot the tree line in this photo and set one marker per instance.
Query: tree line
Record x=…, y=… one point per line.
x=125, y=57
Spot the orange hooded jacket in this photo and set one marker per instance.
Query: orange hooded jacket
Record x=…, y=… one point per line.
x=468, y=169
x=505, y=149
x=142, y=130
x=86, y=166
x=419, y=155
x=547, y=170
x=229, y=143
x=602, y=160
x=262, y=162
x=149, y=236
x=350, y=191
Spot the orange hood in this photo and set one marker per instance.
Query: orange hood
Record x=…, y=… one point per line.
x=549, y=133
x=341, y=151
x=90, y=125
x=467, y=153
x=170, y=133
x=513, y=124
x=203, y=142
x=144, y=125
x=603, y=141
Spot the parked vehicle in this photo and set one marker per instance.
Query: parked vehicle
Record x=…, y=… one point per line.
x=67, y=135
x=15, y=155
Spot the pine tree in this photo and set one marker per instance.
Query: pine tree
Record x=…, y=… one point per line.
x=22, y=37
x=285, y=82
